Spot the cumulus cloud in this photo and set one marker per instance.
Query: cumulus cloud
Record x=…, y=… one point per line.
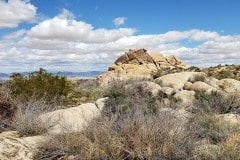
x=66, y=44
x=119, y=21
x=63, y=27
x=13, y=12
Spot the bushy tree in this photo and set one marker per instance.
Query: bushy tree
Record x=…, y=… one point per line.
x=39, y=85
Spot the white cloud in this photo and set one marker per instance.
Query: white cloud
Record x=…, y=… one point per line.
x=14, y=12
x=64, y=28
x=119, y=21
x=63, y=43
x=15, y=35
x=66, y=14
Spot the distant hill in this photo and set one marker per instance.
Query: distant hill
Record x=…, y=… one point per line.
x=78, y=75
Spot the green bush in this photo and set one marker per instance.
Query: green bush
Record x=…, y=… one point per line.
x=123, y=97
x=215, y=102
x=199, y=78
x=39, y=85
x=211, y=126
x=83, y=91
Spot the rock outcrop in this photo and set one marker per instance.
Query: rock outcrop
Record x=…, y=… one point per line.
x=177, y=80
x=72, y=119
x=139, y=64
x=228, y=85
x=14, y=147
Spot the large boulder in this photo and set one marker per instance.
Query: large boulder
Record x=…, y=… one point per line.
x=228, y=85
x=20, y=148
x=71, y=119
x=187, y=97
x=201, y=86
x=175, y=61
x=211, y=81
x=177, y=80
x=138, y=57
x=146, y=87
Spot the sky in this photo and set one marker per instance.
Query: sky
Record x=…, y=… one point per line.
x=88, y=35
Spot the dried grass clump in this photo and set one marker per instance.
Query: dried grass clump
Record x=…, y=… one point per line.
x=134, y=135
x=27, y=121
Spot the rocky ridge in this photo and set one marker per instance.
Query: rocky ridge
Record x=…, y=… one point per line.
x=138, y=63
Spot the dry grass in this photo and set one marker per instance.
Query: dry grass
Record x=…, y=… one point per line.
x=230, y=149
x=26, y=121
x=212, y=128
x=134, y=135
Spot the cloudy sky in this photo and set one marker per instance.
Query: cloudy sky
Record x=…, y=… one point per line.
x=88, y=35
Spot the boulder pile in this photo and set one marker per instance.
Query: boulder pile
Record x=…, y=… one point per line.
x=138, y=63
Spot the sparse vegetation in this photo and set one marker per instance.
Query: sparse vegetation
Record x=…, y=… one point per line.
x=212, y=128
x=199, y=78
x=27, y=121
x=219, y=72
x=134, y=135
x=83, y=91
x=135, y=122
x=215, y=102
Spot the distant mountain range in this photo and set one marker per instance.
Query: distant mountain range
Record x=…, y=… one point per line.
x=77, y=75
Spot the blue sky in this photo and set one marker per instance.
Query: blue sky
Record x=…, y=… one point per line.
x=86, y=35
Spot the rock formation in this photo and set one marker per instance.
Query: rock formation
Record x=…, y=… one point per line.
x=139, y=64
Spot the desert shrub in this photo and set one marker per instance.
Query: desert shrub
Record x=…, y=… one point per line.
x=84, y=91
x=123, y=97
x=194, y=69
x=8, y=111
x=212, y=128
x=223, y=74
x=27, y=121
x=158, y=81
x=40, y=85
x=199, y=78
x=174, y=102
x=223, y=71
x=118, y=98
x=157, y=74
x=134, y=135
x=216, y=102
x=230, y=148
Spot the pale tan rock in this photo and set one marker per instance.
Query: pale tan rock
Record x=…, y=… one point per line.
x=231, y=119
x=168, y=91
x=187, y=97
x=139, y=56
x=175, y=61
x=187, y=86
x=13, y=147
x=100, y=103
x=211, y=81
x=201, y=86
x=137, y=63
x=71, y=119
x=228, y=85
x=158, y=57
x=176, y=80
